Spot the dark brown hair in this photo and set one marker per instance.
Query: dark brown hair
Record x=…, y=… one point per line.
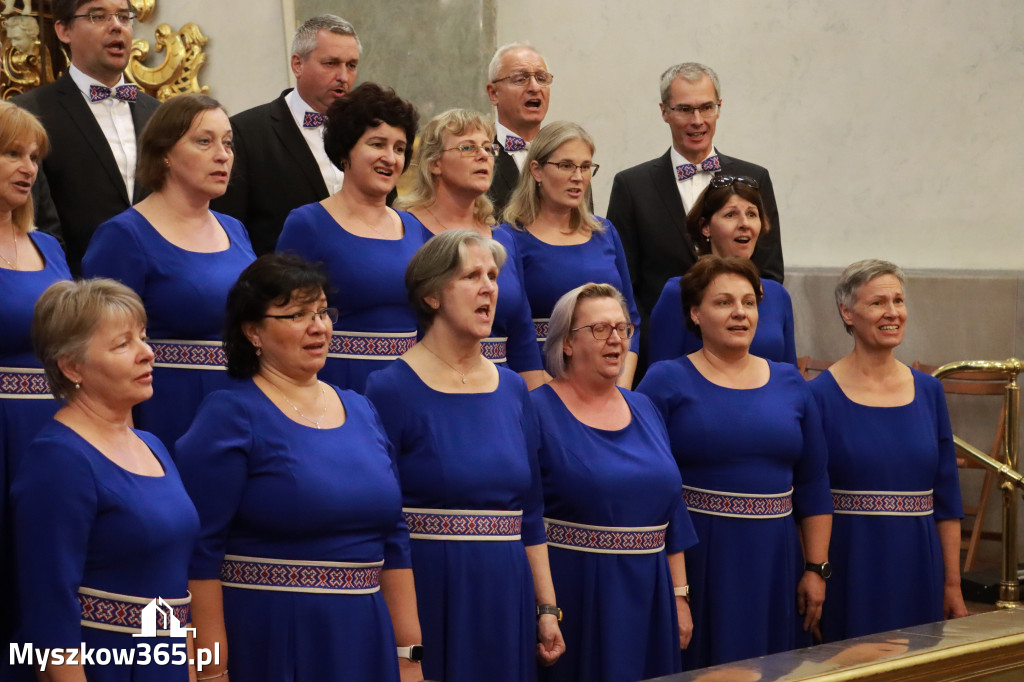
x=710, y=201
x=698, y=278
x=166, y=126
x=367, y=107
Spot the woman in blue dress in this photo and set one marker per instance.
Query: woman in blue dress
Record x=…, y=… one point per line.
x=103, y=525
x=179, y=256
x=747, y=437
x=560, y=244
x=454, y=167
x=363, y=244
x=465, y=437
x=614, y=513
x=30, y=261
x=726, y=220
x=892, y=467
x=302, y=569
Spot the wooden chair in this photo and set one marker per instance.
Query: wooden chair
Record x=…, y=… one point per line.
x=976, y=384
x=811, y=367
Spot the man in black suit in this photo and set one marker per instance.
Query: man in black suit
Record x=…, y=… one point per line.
x=519, y=86
x=93, y=120
x=280, y=162
x=649, y=202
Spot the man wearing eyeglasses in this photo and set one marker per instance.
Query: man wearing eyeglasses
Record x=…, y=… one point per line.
x=518, y=86
x=649, y=202
x=93, y=119
x=280, y=162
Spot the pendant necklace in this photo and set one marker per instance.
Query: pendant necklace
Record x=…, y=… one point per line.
x=427, y=348
x=14, y=265
x=314, y=422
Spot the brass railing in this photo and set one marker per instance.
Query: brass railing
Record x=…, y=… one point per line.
x=1008, y=470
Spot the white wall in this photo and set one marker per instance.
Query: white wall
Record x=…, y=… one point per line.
x=891, y=129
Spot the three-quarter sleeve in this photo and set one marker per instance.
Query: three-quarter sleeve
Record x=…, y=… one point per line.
x=811, y=492
x=788, y=333
x=115, y=252
x=55, y=504
x=668, y=336
x=533, y=501
x=212, y=458
x=523, y=352
x=627, y=285
x=397, y=553
x=947, y=500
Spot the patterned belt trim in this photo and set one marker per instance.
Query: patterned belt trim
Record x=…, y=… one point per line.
x=123, y=613
x=738, y=505
x=605, y=539
x=370, y=345
x=540, y=324
x=495, y=349
x=188, y=354
x=26, y=384
x=320, y=577
x=883, y=503
x=463, y=524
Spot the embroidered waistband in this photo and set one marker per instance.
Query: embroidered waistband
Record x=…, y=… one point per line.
x=605, y=539
x=24, y=383
x=883, y=503
x=463, y=524
x=739, y=505
x=188, y=354
x=370, y=345
x=321, y=577
x=124, y=613
x=495, y=349
x=540, y=324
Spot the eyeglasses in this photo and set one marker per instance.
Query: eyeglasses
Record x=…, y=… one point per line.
x=523, y=77
x=602, y=330
x=706, y=110
x=470, y=149
x=720, y=181
x=570, y=167
x=305, y=317
x=123, y=16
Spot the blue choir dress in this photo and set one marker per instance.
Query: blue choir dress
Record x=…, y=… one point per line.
x=753, y=462
x=26, y=404
x=550, y=270
x=669, y=337
x=269, y=488
x=185, y=294
x=376, y=324
x=458, y=453
x=613, y=582
x=893, y=473
x=84, y=523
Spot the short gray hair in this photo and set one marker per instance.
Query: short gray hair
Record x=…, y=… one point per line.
x=67, y=315
x=564, y=316
x=304, y=41
x=494, y=68
x=437, y=262
x=857, y=275
x=688, y=71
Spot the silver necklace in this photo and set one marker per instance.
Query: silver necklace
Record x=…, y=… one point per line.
x=14, y=265
x=427, y=348
x=314, y=422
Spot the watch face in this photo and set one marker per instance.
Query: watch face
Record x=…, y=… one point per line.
x=416, y=653
x=826, y=570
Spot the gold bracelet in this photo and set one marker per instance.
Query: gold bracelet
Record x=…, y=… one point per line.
x=214, y=677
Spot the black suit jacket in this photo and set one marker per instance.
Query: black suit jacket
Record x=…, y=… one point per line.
x=646, y=209
x=79, y=185
x=506, y=176
x=274, y=172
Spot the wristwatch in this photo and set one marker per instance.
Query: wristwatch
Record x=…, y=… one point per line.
x=413, y=652
x=683, y=592
x=549, y=609
x=823, y=569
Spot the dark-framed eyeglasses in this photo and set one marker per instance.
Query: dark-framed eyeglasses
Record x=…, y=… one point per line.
x=306, y=317
x=720, y=181
x=569, y=167
x=520, y=78
x=468, y=149
x=98, y=18
x=602, y=330
x=706, y=110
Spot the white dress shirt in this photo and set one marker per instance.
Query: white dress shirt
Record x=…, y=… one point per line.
x=115, y=119
x=690, y=188
x=333, y=177
x=518, y=156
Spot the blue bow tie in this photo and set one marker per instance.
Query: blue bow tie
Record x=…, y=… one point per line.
x=685, y=171
x=313, y=119
x=514, y=144
x=125, y=93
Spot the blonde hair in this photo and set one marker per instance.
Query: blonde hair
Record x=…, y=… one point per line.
x=423, y=191
x=525, y=203
x=17, y=126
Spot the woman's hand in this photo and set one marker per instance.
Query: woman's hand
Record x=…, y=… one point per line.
x=810, y=596
x=685, y=622
x=953, y=602
x=550, y=645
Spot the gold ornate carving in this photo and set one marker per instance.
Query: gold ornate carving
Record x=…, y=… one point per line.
x=143, y=8
x=179, y=72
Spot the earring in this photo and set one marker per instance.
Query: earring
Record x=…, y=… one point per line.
x=77, y=386
x=259, y=351
x=167, y=163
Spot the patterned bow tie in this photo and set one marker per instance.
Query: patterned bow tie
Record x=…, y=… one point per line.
x=125, y=93
x=685, y=171
x=313, y=119
x=514, y=144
